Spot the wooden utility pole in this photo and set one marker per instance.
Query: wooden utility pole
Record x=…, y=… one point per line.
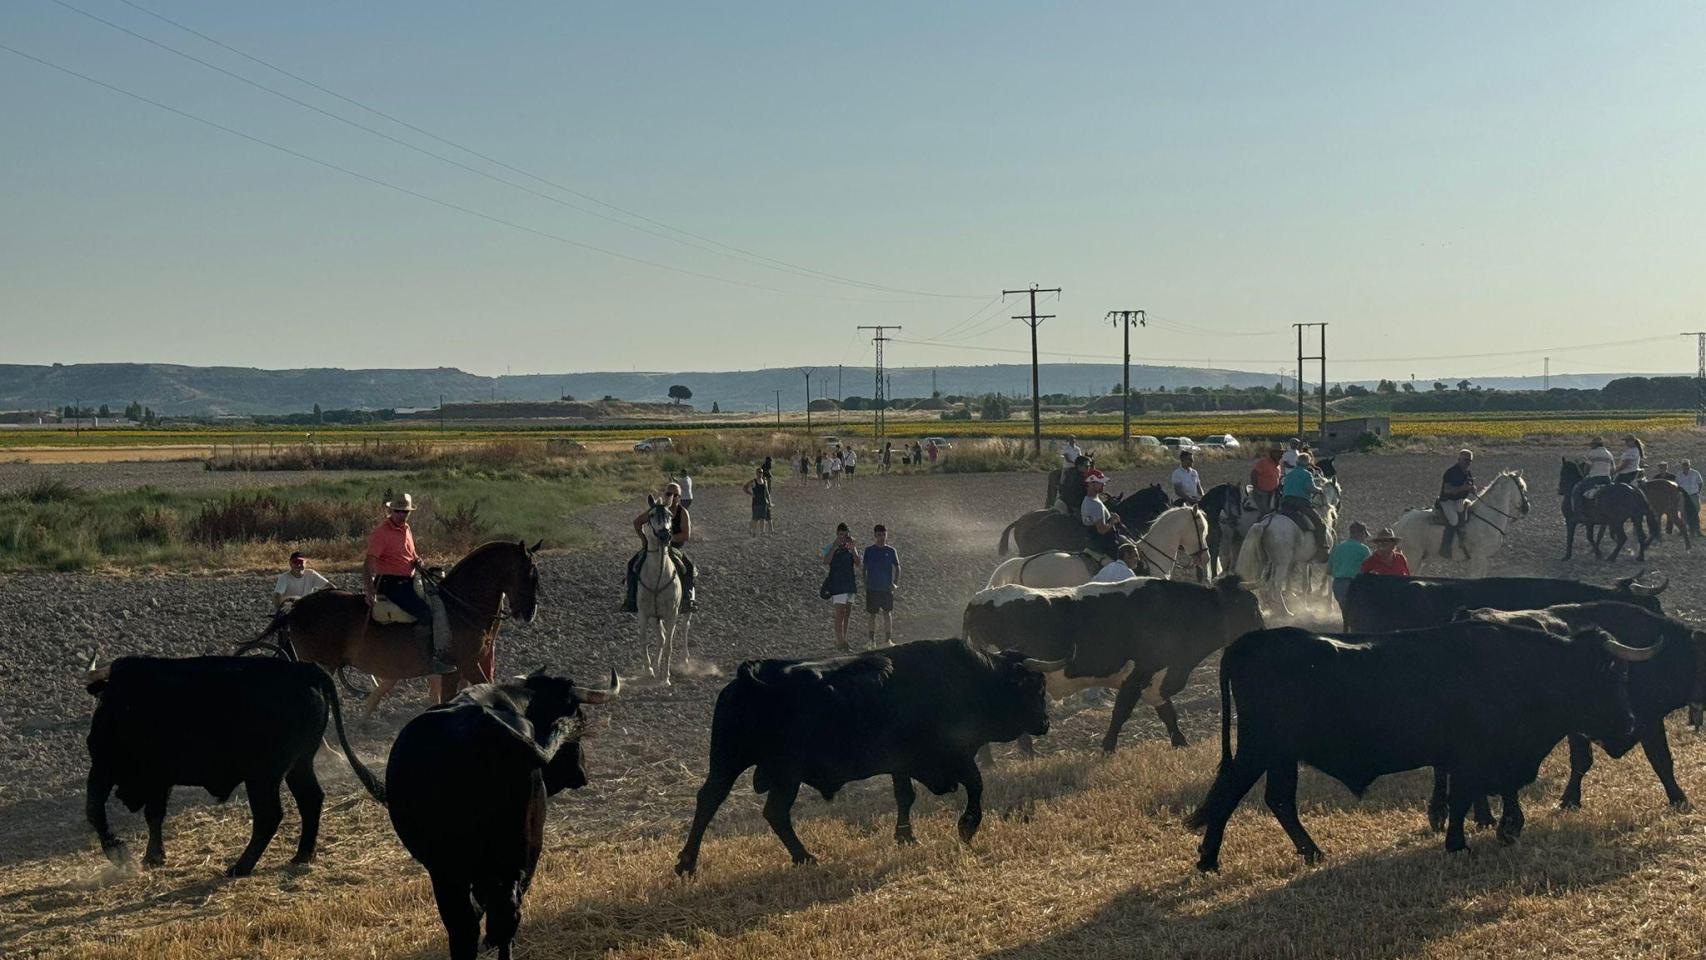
x=1699, y=376
x=879, y=403
x=808, y=372
x=778, y=409
x=1032, y=319
x=1124, y=319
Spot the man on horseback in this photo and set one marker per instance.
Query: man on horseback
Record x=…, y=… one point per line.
x=1100, y=523
x=1265, y=480
x=1456, y=489
x=1297, y=501
x=1187, y=483
x=1073, y=487
x=1600, y=462
x=391, y=568
x=681, y=531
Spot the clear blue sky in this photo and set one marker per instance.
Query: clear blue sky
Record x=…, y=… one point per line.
x=1430, y=179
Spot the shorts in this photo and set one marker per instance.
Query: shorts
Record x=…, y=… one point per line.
x=841, y=599
x=879, y=601
x=849, y=470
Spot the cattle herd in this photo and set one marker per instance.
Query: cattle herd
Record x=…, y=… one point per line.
x=1478, y=679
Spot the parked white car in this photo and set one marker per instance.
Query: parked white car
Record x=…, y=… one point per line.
x=1221, y=441
x=1146, y=441
x=653, y=444
x=1180, y=443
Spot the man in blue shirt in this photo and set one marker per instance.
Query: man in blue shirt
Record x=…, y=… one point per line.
x=882, y=575
x=1297, y=501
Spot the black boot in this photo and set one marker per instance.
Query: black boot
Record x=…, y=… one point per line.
x=689, y=596
x=631, y=601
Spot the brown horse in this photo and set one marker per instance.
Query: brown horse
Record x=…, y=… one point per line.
x=334, y=628
x=1666, y=499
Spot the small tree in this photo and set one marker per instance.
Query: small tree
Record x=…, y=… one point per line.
x=1386, y=386
x=1356, y=390
x=678, y=393
x=1337, y=391
x=567, y=398
x=715, y=408
x=994, y=406
x=319, y=416
x=1440, y=387
x=105, y=411
x=1463, y=386
x=1409, y=387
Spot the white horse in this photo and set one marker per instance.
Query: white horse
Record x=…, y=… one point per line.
x=1177, y=538
x=1277, y=550
x=659, y=596
x=1495, y=510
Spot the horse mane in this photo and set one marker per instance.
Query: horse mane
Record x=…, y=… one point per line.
x=1502, y=475
x=479, y=552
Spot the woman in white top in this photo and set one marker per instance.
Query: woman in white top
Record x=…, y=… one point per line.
x=1629, y=460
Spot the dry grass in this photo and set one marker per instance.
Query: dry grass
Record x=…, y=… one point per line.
x=1078, y=857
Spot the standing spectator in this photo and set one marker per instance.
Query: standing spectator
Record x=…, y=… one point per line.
x=765, y=469
x=758, y=488
x=805, y=467
x=1689, y=481
x=1345, y=561
x=849, y=460
x=931, y=452
x=298, y=582
x=917, y=453
x=1662, y=472
x=835, y=466
x=1387, y=559
x=842, y=583
x=888, y=457
x=823, y=467
x=686, y=484
x=1071, y=451
x=882, y=576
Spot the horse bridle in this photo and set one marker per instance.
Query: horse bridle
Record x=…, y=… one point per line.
x=1512, y=518
x=1195, y=557
x=663, y=548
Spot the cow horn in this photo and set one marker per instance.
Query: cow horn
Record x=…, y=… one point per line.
x=1043, y=666
x=1643, y=591
x=1628, y=653
x=589, y=695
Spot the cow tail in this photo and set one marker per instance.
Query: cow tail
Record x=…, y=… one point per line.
x=1002, y=550
x=281, y=647
x=368, y=780
x=1225, y=715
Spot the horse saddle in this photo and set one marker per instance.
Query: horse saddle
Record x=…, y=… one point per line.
x=384, y=611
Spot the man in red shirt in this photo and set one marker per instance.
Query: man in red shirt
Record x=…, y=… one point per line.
x=1387, y=559
x=390, y=572
x=1265, y=480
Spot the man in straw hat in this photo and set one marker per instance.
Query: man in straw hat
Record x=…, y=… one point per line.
x=1387, y=559
x=391, y=568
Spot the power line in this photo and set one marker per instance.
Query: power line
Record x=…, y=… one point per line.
x=447, y=204
x=1267, y=360
x=729, y=249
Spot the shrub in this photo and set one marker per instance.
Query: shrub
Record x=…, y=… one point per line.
x=242, y=518
x=48, y=490
x=462, y=528
x=1368, y=443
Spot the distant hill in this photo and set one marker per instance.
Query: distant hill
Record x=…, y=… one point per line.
x=174, y=389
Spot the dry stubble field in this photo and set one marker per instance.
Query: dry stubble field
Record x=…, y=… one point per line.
x=1079, y=856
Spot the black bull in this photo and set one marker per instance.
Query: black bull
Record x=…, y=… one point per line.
x=917, y=711
x=468, y=782
x=1485, y=702
x=1143, y=636
x=213, y=722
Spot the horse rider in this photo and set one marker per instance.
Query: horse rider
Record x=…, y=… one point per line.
x=1297, y=501
x=390, y=569
x=681, y=531
x=1265, y=480
x=1293, y=450
x=1629, y=461
x=1070, y=452
x=1070, y=498
x=1100, y=523
x=1456, y=490
x=1123, y=568
x=1600, y=463
x=1187, y=483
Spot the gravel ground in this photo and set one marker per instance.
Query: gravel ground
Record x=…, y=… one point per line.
x=758, y=596
x=187, y=476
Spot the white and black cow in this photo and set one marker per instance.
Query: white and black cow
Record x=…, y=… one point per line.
x=1143, y=636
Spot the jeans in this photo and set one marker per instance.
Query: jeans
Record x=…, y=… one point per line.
x=1691, y=511
x=401, y=591
x=1341, y=590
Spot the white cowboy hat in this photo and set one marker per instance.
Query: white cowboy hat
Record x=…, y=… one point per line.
x=405, y=503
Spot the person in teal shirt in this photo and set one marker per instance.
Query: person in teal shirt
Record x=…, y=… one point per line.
x=1297, y=493
x=1345, y=562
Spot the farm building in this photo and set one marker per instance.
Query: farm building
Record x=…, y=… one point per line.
x=1341, y=434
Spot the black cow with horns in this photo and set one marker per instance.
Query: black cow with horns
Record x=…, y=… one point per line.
x=1675, y=677
x=1485, y=702
x=1379, y=604
x=212, y=722
x=468, y=782
x=917, y=711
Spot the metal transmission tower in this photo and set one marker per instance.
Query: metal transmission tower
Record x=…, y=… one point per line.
x=1322, y=356
x=1032, y=319
x=1124, y=319
x=1699, y=376
x=879, y=404
x=808, y=372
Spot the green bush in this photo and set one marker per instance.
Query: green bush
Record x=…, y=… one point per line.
x=1368, y=442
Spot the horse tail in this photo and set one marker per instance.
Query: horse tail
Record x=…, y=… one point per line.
x=330, y=692
x=281, y=647
x=1252, y=555
x=1225, y=716
x=1652, y=514
x=1002, y=549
